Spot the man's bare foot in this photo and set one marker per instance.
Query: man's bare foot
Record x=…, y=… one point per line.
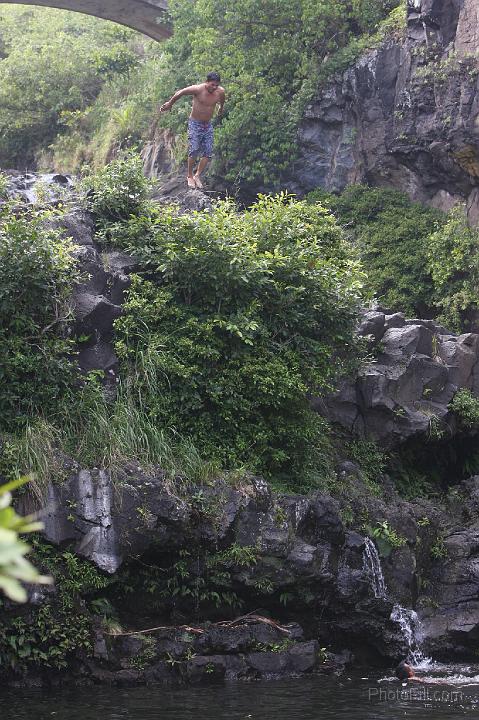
x=191, y=181
x=198, y=182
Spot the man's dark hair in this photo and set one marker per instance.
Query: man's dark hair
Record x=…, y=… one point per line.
x=214, y=76
x=403, y=671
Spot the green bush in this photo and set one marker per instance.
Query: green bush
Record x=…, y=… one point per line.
x=386, y=538
x=241, y=316
x=370, y=458
x=118, y=190
x=453, y=261
x=466, y=407
x=392, y=237
x=37, y=270
x=51, y=634
x=418, y=260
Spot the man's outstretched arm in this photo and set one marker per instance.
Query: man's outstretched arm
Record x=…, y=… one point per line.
x=221, y=103
x=190, y=90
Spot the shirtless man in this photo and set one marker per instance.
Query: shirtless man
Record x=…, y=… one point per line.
x=206, y=97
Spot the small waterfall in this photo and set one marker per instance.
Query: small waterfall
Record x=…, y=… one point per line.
x=410, y=626
x=372, y=568
x=407, y=619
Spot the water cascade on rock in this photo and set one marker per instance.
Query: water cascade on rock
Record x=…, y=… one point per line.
x=410, y=626
x=406, y=618
x=372, y=568
x=32, y=188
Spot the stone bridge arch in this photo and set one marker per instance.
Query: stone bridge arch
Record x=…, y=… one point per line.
x=146, y=16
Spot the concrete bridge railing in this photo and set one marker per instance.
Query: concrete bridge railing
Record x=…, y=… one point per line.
x=146, y=16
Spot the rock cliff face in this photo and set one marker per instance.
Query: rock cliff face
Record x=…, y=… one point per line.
x=406, y=391
x=303, y=562
x=405, y=115
x=304, y=565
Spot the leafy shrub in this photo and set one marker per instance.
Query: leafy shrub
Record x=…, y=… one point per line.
x=240, y=318
x=118, y=190
x=392, y=236
x=370, y=458
x=51, y=634
x=393, y=24
x=386, y=538
x=439, y=549
x=418, y=260
x=453, y=261
x=466, y=406
x=37, y=269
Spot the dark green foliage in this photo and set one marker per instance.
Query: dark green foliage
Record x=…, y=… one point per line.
x=434, y=468
x=241, y=316
x=392, y=236
x=453, y=260
x=51, y=634
x=36, y=276
x=370, y=458
x=192, y=581
x=418, y=260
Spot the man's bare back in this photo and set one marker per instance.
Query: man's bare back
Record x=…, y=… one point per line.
x=206, y=96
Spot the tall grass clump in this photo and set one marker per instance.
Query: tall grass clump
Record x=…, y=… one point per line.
x=97, y=431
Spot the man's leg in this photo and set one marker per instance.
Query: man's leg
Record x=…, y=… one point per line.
x=189, y=178
x=193, y=151
x=201, y=166
x=207, y=146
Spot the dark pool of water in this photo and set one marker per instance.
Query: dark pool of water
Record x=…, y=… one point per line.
x=314, y=698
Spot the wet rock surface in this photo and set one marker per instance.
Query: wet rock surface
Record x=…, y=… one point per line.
x=50, y=188
x=451, y=620
x=250, y=649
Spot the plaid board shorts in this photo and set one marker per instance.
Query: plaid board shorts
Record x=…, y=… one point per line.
x=200, y=138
